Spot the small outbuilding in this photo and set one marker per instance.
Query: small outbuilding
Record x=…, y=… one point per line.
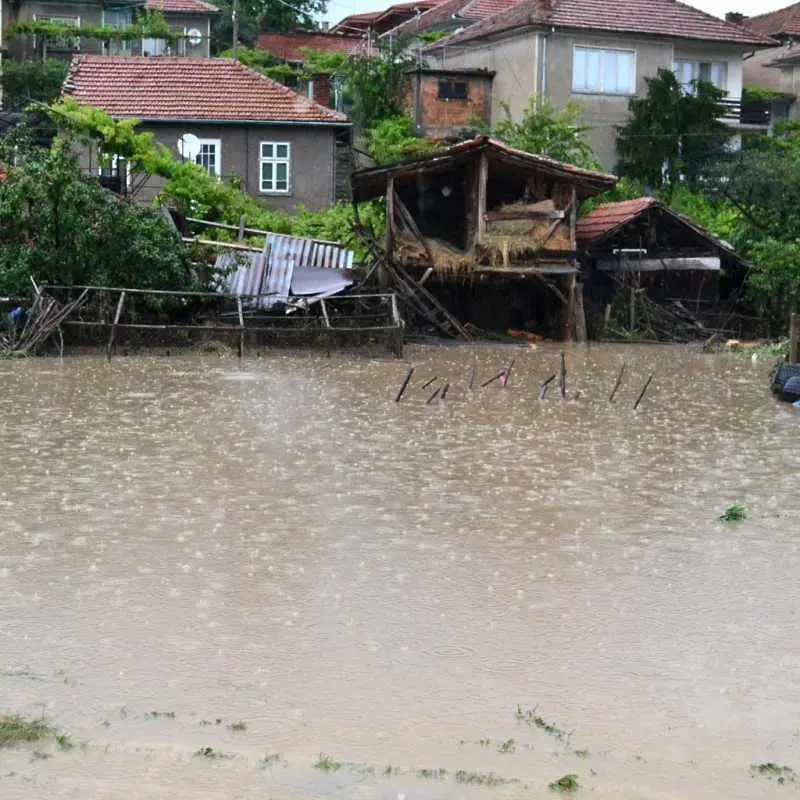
x=650, y=269
x=493, y=228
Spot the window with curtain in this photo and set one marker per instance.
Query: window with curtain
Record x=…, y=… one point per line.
x=600, y=71
x=688, y=72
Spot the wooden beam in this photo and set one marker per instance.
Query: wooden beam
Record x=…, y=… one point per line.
x=573, y=218
x=794, y=339
x=390, y=221
x=496, y=216
x=483, y=181
x=113, y=333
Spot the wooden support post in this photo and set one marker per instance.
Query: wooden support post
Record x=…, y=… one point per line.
x=573, y=220
x=483, y=182
x=325, y=316
x=794, y=339
x=383, y=271
x=632, y=323
x=242, y=220
x=113, y=333
x=580, y=316
x=571, y=307
x=241, y=325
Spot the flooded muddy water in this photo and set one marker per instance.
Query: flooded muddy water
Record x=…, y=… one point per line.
x=467, y=598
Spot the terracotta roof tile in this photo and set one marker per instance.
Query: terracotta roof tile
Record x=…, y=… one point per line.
x=356, y=21
x=182, y=6
x=290, y=46
x=666, y=18
x=784, y=22
x=438, y=15
x=188, y=88
x=480, y=9
x=608, y=217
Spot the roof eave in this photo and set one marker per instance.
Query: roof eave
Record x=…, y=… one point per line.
x=218, y=121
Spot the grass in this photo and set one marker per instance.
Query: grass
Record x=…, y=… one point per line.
x=327, y=764
x=734, y=513
x=479, y=778
x=270, y=759
x=507, y=747
x=237, y=727
x=530, y=717
x=432, y=774
x=40, y=755
x=158, y=714
x=64, y=742
x=210, y=753
x=777, y=772
x=565, y=784
x=581, y=753
x=16, y=730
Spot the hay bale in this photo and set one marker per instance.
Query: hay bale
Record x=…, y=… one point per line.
x=518, y=237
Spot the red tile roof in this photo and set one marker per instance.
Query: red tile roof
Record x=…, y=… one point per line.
x=665, y=18
x=784, y=22
x=608, y=217
x=362, y=21
x=438, y=15
x=480, y=9
x=188, y=88
x=290, y=46
x=182, y=6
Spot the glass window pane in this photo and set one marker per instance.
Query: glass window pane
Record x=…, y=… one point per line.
x=283, y=150
x=579, y=69
x=266, y=150
x=719, y=75
x=266, y=175
x=594, y=66
x=281, y=186
x=281, y=172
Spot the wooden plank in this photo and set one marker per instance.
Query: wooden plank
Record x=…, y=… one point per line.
x=113, y=333
x=409, y=222
x=390, y=221
x=496, y=216
x=573, y=218
x=698, y=264
x=483, y=181
x=794, y=339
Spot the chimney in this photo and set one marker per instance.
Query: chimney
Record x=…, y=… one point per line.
x=324, y=26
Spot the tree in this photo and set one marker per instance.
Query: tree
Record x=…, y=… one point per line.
x=31, y=79
x=275, y=16
x=59, y=225
x=673, y=136
x=546, y=131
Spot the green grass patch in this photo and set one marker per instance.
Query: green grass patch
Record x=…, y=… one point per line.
x=210, y=753
x=480, y=778
x=159, y=714
x=238, y=727
x=327, y=764
x=432, y=774
x=64, y=742
x=507, y=747
x=776, y=772
x=735, y=513
x=529, y=717
x=17, y=730
x=581, y=753
x=269, y=759
x=565, y=784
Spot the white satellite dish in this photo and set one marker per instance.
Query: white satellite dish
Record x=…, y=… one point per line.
x=189, y=146
x=194, y=36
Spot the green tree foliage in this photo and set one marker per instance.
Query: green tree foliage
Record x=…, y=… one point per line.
x=263, y=15
x=58, y=225
x=548, y=131
x=393, y=139
x=672, y=136
x=32, y=79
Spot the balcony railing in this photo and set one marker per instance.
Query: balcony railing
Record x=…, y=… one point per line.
x=756, y=114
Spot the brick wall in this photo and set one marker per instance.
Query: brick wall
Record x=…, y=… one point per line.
x=436, y=116
x=322, y=90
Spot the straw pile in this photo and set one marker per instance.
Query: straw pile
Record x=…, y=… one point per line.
x=446, y=258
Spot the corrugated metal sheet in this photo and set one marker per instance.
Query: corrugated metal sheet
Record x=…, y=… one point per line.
x=270, y=272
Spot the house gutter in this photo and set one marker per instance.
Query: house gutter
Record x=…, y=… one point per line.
x=543, y=82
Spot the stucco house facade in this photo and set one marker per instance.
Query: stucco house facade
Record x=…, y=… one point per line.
x=191, y=20
x=600, y=55
x=280, y=145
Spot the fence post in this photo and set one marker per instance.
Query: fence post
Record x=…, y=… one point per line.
x=794, y=338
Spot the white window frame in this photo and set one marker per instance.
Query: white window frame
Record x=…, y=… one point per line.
x=695, y=66
x=217, y=143
x=114, y=165
x=601, y=90
x=274, y=160
x=125, y=45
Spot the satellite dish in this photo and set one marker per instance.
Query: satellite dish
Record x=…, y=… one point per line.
x=189, y=146
x=194, y=36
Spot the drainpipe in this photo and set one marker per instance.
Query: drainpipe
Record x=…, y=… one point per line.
x=543, y=82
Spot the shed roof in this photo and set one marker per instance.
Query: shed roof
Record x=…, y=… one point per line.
x=664, y=18
x=372, y=182
x=213, y=89
x=609, y=218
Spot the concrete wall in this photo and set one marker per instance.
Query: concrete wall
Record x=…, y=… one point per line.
x=514, y=61
x=437, y=118
x=312, y=164
x=542, y=62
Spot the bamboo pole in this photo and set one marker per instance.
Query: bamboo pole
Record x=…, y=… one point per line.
x=113, y=333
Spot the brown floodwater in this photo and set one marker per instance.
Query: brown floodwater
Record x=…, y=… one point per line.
x=189, y=543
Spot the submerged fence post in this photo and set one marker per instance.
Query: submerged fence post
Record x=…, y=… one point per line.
x=794, y=338
x=241, y=325
x=113, y=333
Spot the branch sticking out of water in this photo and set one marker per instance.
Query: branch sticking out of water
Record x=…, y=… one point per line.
x=735, y=513
x=405, y=385
x=644, y=389
x=617, y=384
x=565, y=785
